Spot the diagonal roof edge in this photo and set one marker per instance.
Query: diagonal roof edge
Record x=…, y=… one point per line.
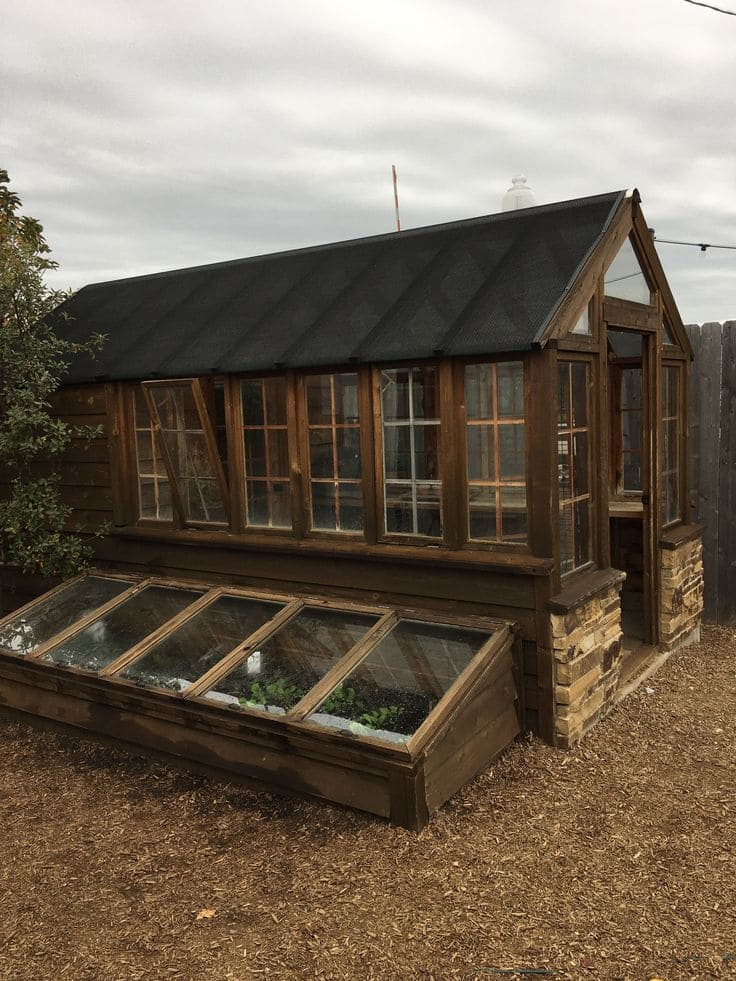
x=494, y=218
x=622, y=196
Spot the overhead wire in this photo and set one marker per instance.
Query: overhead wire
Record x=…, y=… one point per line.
x=720, y=10
x=699, y=245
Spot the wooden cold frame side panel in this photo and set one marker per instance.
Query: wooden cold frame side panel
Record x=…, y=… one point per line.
x=651, y=416
x=727, y=483
x=188, y=733
x=483, y=724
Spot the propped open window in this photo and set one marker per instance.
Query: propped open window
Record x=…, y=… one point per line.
x=188, y=441
x=624, y=279
x=328, y=674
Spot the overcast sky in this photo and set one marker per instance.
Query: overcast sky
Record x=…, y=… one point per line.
x=159, y=134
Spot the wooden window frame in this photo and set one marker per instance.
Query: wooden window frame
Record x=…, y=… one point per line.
x=210, y=444
x=364, y=481
x=681, y=466
x=445, y=455
x=568, y=359
x=460, y=440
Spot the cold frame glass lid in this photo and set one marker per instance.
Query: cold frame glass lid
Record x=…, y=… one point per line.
x=183, y=656
x=282, y=670
x=27, y=632
x=624, y=278
x=105, y=639
x=395, y=687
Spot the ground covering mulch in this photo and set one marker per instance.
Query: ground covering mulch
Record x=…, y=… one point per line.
x=615, y=860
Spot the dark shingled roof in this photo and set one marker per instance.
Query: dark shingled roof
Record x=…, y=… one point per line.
x=480, y=286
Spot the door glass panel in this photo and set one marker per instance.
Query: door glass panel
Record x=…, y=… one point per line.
x=395, y=687
x=27, y=632
x=199, y=644
x=111, y=635
x=283, y=669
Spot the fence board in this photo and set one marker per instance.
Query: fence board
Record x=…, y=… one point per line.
x=713, y=461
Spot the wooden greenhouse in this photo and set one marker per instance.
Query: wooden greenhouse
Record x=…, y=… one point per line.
x=371, y=509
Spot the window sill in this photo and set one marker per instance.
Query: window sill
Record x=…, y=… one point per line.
x=511, y=562
x=679, y=534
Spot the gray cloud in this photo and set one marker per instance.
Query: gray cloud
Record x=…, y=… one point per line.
x=149, y=136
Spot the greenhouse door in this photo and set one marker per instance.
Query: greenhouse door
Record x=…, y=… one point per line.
x=632, y=476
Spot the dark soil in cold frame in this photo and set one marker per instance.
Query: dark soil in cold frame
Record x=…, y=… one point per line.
x=615, y=860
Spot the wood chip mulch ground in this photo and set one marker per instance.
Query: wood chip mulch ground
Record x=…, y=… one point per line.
x=616, y=860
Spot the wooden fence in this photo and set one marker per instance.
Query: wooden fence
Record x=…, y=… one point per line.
x=713, y=461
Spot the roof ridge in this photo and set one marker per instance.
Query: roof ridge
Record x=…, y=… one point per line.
x=459, y=223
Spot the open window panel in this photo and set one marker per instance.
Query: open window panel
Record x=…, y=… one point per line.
x=189, y=427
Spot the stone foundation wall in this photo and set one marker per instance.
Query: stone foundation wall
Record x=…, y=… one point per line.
x=587, y=650
x=680, y=593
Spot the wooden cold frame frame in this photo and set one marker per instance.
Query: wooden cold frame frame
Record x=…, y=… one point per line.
x=499, y=632
x=213, y=455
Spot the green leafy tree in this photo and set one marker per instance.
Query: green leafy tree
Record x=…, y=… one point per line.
x=32, y=360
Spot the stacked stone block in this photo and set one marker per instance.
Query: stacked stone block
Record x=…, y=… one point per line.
x=587, y=650
x=681, y=594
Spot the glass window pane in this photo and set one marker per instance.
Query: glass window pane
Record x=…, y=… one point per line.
x=351, y=507
x=425, y=392
x=199, y=644
x=27, y=632
x=253, y=411
x=513, y=514
x=582, y=533
x=479, y=395
x=395, y=394
x=482, y=513
x=567, y=539
x=255, y=453
x=284, y=668
x=324, y=507
x=107, y=638
x=397, y=452
x=319, y=400
x=426, y=452
x=580, y=386
x=183, y=435
x=583, y=324
x=395, y=687
x=563, y=396
x=346, y=398
x=511, y=451
x=564, y=469
x=580, y=463
x=481, y=458
x=624, y=277
x=348, y=453
x=321, y=461
x=257, y=502
x=510, y=389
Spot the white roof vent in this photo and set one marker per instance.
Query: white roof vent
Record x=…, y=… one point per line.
x=518, y=195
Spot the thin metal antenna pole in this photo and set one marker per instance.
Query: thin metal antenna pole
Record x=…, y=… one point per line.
x=396, y=196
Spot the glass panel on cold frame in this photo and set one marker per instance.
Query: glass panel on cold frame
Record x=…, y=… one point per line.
x=283, y=669
x=106, y=638
x=200, y=643
x=27, y=632
x=394, y=688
